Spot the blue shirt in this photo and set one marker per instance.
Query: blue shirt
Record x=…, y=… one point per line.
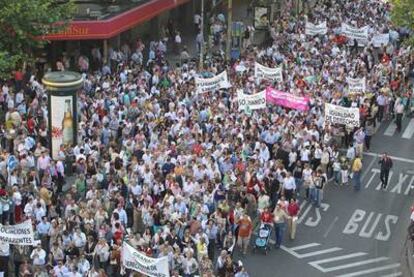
x=43, y=228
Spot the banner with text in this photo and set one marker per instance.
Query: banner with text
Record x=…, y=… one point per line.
x=251, y=101
x=135, y=260
x=380, y=40
x=287, y=100
x=20, y=234
x=356, y=84
x=360, y=34
x=268, y=73
x=312, y=29
x=335, y=114
x=211, y=84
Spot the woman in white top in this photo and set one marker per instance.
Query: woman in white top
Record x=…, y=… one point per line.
x=17, y=200
x=307, y=178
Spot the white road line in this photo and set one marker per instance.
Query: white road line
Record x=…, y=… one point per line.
x=330, y=227
x=409, y=130
x=367, y=271
x=320, y=252
x=392, y=157
x=390, y=129
x=393, y=274
x=369, y=166
x=304, y=246
x=316, y=264
x=369, y=261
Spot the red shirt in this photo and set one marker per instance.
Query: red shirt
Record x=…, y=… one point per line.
x=266, y=217
x=18, y=76
x=293, y=209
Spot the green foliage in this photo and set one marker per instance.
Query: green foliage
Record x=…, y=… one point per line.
x=22, y=22
x=402, y=13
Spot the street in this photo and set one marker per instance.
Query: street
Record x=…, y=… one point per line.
x=353, y=233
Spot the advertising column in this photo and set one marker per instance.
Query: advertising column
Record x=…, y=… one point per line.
x=62, y=106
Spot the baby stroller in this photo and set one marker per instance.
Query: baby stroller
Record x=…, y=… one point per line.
x=262, y=240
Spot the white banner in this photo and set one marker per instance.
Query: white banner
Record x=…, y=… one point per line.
x=135, y=260
x=251, y=101
x=211, y=84
x=312, y=29
x=356, y=84
x=335, y=114
x=380, y=40
x=360, y=34
x=21, y=234
x=268, y=73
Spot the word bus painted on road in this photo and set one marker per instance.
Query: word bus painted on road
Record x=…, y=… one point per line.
x=370, y=225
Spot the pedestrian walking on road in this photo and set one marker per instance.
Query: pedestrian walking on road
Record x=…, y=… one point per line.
x=293, y=211
x=399, y=111
x=386, y=165
x=356, y=171
x=279, y=218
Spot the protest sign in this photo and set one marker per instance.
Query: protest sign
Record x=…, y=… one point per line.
x=312, y=29
x=356, y=84
x=335, y=114
x=211, y=84
x=380, y=40
x=135, y=260
x=251, y=102
x=268, y=73
x=352, y=33
x=287, y=100
x=20, y=234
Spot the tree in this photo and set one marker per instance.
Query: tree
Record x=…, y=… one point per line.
x=22, y=23
x=402, y=15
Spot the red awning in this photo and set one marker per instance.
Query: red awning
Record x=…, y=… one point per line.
x=104, y=29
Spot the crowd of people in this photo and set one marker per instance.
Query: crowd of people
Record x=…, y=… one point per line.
x=187, y=175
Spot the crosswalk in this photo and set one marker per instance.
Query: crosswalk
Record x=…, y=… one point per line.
x=407, y=131
x=335, y=261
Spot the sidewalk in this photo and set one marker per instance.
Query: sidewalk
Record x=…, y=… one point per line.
x=188, y=34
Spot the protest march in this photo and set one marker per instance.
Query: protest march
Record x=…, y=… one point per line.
x=175, y=165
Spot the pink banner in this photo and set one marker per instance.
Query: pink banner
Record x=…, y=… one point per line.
x=286, y=100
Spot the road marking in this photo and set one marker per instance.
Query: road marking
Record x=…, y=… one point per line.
x=304, y=246
x=409, y=130
x=360, y=221
x=367, y=271
x=392, y=157
x=330, y=227
x=316, y=264
x=375, y=171
x=369, y=166
x=390, y=129
x=396, y=274
x=320, y=252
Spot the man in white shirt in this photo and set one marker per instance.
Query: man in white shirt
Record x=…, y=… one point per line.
x=289, y=186
x=79, y=238
x=38, y=256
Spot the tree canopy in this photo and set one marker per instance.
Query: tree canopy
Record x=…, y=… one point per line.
x=402, y=15
x=22, y=22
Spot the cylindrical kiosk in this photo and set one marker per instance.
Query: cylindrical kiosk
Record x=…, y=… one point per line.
x=62, y=107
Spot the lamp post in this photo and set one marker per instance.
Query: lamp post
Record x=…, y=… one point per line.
x=229, y=28
x=202, y=37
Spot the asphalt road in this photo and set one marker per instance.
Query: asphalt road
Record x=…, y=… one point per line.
x=353, y=233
